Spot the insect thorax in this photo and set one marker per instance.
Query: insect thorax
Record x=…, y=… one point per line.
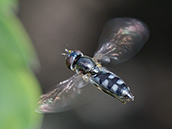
x=86, y=65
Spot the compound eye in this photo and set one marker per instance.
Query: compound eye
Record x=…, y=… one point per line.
x=69, y=61
x=72, y=57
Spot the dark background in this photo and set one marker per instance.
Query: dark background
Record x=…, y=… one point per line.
x=54, y=25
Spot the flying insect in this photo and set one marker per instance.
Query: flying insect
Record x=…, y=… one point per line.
x=121, y=39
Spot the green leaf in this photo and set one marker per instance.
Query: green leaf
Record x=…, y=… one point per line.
x=15, y=44
x=7, y=5
x=19, y=90
x=18, y=93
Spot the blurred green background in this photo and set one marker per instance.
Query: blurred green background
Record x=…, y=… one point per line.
x=77, y=24
x=19, y=89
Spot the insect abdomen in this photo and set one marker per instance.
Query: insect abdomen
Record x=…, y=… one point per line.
x=113, y=85
x=110, y=82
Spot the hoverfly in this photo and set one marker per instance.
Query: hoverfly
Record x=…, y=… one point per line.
x=121, y=39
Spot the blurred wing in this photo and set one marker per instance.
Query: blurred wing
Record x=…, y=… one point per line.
x=61, y=97
x=121, y=39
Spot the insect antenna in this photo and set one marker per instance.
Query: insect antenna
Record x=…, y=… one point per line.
x=66, y=53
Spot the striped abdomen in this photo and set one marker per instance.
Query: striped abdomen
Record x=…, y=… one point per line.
x=113, y=85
